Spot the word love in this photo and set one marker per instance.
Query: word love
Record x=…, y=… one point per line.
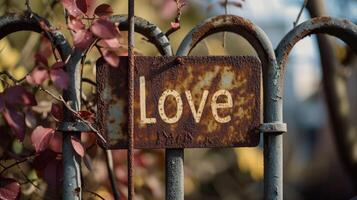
x=196, y=111
x=182, y=102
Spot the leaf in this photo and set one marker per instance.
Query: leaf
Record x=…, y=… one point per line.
x=53, y=174
x=45, y=48
x=18, y=95
x=168, y=9
x=9, y=189
x=103, y=10
x=30, y=119
x=41, y=160
x=77, y=146
x=37, y=76
x=58, y=65
x=41, y=60
x=175, y=25
x=59, y=78
x=89, y=116
x=56, y=142
x=57, y=111
x=16, y=121
x=105, y=29
x=111, y=58
x=109, y=43
x=41, y=137
x=44, y=26
x=88, y=139
x=82, y=5
x=2, y=102
x=88, y=162
x=91, y=6
x=71, y=7
x=82, y=39
x=75, y=24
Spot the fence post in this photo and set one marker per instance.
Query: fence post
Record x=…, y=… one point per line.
x=72, y=186
x=174, y=174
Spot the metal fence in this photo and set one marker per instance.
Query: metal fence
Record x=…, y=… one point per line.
x=273, y=64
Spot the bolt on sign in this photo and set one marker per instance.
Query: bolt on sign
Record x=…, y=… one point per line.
x=182, y=102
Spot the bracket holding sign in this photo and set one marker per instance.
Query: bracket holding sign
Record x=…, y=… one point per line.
x=182, y=102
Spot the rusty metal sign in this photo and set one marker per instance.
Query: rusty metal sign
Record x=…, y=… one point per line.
x=182, y=102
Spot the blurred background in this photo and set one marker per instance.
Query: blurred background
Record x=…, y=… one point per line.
x=312, y=167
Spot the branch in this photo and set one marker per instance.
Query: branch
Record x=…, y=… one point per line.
x=109, y=162
x=300, y=12
x=12, y=165
x=93, y=193
x=7, y=74
x=174, y=28
x=27, y=179
x=75, y=113
x=28, y=7
x=89, y=81
x=225, y=33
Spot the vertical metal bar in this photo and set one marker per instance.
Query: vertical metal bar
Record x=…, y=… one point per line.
x=273, y=167
x=72, y=189
x=342, y=29
x=273, y=142
x=174, y=174
x=111, y=175
x=71, y=169
x=131, y=99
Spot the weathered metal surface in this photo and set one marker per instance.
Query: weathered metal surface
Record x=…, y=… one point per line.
x=175, y=125
x=334, y=85
x=273, y=101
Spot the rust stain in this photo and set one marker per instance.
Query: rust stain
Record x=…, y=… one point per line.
x=189, y=102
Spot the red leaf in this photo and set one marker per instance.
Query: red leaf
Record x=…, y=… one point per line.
x=37, y=76
x=89, y=116
x=88, y=162
x=123, y=53
x=111, y=58
x=9, y=189
x=41, y=137
x=56, y=142
x=168, y=9
x=88, y=139
x=58, y=65
x=82, y=5
x=71, y=7
x=82, y=39
x=77, y=146
x=45, y=47
x=105, y=29
x=44, y=26
x=175, y=25
x=41, y=160
x=16, y=121
x=41, y=60
x=75, y=24
x=2, y=102
x=53, y=174
x=57, y=111
x=109, y=43
x=18, y=95
x=103, y=10
x=59, y=78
